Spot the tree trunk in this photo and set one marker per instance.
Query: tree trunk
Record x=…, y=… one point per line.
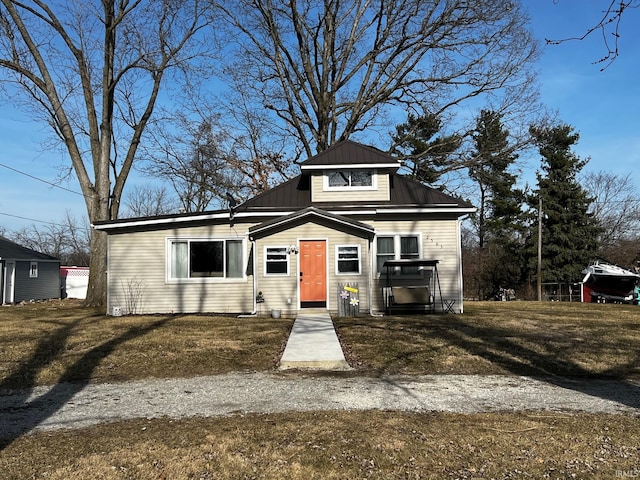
x=52, y=49
x=97, y=290
x=98, y=211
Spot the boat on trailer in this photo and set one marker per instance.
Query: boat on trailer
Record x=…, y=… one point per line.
x=609, y=282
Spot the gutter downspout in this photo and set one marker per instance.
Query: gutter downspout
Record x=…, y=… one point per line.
x=372, y=272
x=255, y=305
x=460, y=270
x=1, y=281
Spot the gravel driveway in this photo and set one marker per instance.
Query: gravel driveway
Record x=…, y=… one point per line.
x=82, y=405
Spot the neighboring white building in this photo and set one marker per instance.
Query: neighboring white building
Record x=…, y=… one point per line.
x=74, y=282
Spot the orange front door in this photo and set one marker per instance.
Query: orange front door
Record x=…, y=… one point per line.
x=313, y=271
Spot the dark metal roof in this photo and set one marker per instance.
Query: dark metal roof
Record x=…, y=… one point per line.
x=404, y=192
x=12, y=251
x=295, y=194
x=348, y=152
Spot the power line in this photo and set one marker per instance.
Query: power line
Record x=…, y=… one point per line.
x=31, y=219
x=55, y=224
x=41, y=180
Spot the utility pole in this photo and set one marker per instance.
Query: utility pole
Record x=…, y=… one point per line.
x=540, y=249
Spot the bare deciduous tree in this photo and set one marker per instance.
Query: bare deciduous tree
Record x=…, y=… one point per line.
x=608, y=26
x=616, y=207
x=326, y=70
x=148, y=201
x=191, y=156
x=94, y=71
x=67, y=240
x=204, y=159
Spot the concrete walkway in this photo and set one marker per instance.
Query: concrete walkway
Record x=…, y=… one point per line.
x=313, y=344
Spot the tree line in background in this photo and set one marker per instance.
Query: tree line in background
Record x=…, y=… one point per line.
x=226, y=97
x=579, y=215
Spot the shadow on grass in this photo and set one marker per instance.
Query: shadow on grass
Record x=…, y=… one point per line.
x=498, y=347
x=23, y=409
x=490, y=344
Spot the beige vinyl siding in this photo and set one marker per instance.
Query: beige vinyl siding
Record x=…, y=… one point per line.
x=319, y=194
x=439, y=241
x=278, y=289
x=139, y=260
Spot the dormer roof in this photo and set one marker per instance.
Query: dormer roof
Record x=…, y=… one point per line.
x=349, y=155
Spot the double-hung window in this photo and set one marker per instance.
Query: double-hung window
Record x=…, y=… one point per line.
x=348, y=259
x=191, y=258
x=397, y=247
x=276, y=261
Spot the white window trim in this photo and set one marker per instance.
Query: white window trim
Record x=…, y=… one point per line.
x=170, y=240
x=327, y=188
x=359, y=272
x=33, y=270
x=286, y=248
x=396, y=248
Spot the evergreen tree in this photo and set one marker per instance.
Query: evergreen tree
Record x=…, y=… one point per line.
x=569, y=231
x=499, y=217
x=426, y=154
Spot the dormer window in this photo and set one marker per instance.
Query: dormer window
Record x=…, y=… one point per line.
x=349, y=179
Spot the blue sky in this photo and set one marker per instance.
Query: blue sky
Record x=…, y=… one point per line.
x=602, y=106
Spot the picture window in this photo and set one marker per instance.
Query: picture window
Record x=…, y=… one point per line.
x=206, y=259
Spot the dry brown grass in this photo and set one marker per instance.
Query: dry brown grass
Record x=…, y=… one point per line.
x=521, y=338
x=49, y=342
x=53, y=341
x=336, y=445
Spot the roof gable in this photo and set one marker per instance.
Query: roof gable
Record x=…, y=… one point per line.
x=311, y=213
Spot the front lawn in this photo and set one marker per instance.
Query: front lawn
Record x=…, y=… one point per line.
x=54, y=341
x=512, y=338
x=49, y=342
x=337, y=445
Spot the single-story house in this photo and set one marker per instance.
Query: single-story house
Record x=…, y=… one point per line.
x=318, y=240
x=26, y=274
